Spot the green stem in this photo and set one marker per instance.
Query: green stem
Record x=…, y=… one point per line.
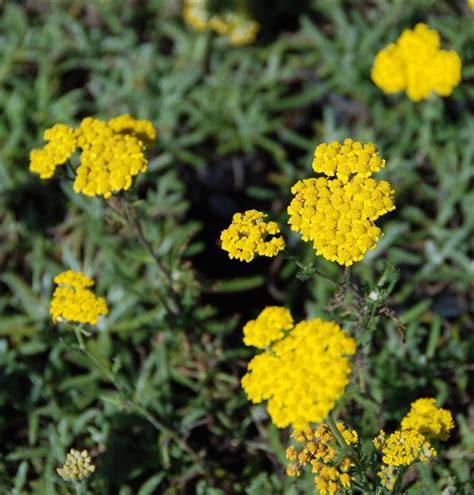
x=130, y=217
x=79, y=488
x=349, y=451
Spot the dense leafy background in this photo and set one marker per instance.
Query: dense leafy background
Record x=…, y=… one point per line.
x=237, y=127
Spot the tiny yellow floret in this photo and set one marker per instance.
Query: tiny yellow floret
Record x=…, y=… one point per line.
x=417, y=65
x=73, y=301
x=269, y=326
x=249, y=235
x=303, y=374
x=429, y=420
x=78, y=466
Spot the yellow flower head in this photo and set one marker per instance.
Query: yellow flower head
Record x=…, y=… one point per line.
x=112, y=153
x=269, y=326
x=417, y=65
x=337, y=214
x=62, y=144
x=238, y=27
x=249, y=234
x=73, y=301
x=78, y=466
x=429, y=420
x=320, y=449
x=471, y=4
x=303, y=374
x=403, y=447
x=109, y=160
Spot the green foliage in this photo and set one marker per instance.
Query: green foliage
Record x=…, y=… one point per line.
x=156, y=396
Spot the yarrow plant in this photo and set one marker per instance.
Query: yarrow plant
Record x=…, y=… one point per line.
x=74, y=301
x=423, y=423
x=303, y=370
x=415, y=63
x=112, y=153
x=78, y=466
x=238, y=27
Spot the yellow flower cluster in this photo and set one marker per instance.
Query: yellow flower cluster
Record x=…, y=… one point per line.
x=403, y=447
x=239, y=28
x=62, y=144
x=411, y=443
x=269, y=326
x=73, y=301
x=112, y=153
x=338, y=214
x=320, y=450
x=303, y=374
x=109, y=159
x=248, y=235
x=78, y=466
x=429, y=420
x=417, y=65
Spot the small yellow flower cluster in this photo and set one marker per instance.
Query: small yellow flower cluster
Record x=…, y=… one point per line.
x=78, y=466
x=73, y=301
x=109, y=159
x=429, y=420
x=268, y=327
x=239, y=28
x=112, y=153
x=403, y=447
x=411, y=443
x=303, y=374
x=338, y=214
x=320, y=450
x=471, y=4
x=248, y=234
x=62, y=144
x=416, y=64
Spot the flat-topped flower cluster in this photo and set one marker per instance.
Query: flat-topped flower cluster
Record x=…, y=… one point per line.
x=303, y=370
x=112, y=153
